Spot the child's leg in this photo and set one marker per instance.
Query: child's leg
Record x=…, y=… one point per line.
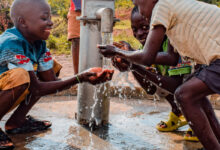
x=74, y=35
x=191, y=96
x=75, y=54
x=212, y=117
x=13, y=84
x=18, y=118
x=9, y=97
x=175, y=109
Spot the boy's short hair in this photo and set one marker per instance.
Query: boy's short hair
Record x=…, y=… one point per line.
x=134, y=10
x=18, y=8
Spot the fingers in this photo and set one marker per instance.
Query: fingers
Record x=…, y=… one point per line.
x=106, y=53
x=110, y=75
x=100, y=46
x=121, y=64
x=91, y=74
x=119, y=45
x=102, y=75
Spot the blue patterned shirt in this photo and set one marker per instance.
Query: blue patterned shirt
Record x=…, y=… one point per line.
x=17, y=52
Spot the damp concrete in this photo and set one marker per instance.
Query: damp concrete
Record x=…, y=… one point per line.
x=131, y=127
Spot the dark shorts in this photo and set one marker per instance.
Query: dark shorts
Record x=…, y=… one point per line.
x=210, y=75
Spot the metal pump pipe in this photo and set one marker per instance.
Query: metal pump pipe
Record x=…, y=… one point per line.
x=106, y=16
x=96, y=17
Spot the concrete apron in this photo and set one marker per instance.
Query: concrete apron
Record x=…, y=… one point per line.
x=132, y=126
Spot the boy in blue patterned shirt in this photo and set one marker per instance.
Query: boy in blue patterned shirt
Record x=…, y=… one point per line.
x=27, y=69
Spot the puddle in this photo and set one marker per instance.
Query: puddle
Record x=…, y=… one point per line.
x=132, y=127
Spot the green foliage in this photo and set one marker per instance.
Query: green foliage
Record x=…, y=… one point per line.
x=122, y=27
x=57, y=42
x=216, y=2
x=123, y=24
x=123, y=4
x=60, y=7
x=5, y=21
x=130, y=39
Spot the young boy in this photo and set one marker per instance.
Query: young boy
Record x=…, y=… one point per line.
x=193, y=29
x=74, y=31
x=170, y=79
x=22, y=50
x=140, y=28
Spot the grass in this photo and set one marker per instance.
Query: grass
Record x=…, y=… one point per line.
x=58, y=43
x=130, y=39
x=123, y=4
x=123, y=24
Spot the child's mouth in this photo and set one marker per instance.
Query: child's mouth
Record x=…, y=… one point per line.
x=142, y=41
x=47, y=31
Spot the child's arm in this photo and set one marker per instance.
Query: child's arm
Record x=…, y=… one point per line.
x=169, y=58
x=42, y=88
x=47, y=75
x=145, y=57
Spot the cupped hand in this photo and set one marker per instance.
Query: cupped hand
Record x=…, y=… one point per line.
x=98, y=75
x=121, y=64
x=85, y=75
x=123, y=45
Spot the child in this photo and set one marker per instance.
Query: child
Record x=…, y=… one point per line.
x=74, y=31
x=193, y=29
x=23, y=49
x=140, y=28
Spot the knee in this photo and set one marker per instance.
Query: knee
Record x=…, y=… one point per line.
x=22, y=75
x=16, y=78
x=183, y=96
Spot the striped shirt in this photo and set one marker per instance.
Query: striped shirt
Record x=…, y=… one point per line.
x=192, y=27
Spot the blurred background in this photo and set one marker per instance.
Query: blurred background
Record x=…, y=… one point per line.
x=57, y=41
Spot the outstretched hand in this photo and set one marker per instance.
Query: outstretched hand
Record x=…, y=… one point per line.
x=107, y=50
x=123, y=45
x=96, y=75
x=120, y=63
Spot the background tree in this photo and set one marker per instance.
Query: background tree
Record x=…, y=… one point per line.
x=216, y=2
x=5, y=21
x=59, y=7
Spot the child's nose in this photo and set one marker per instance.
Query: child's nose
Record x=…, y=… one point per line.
x=139, y=32
x=50, y=23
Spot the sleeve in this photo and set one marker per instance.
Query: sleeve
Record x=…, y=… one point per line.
x=163, y=15
x=77, y=4
x=12, y=55
x=45, y=62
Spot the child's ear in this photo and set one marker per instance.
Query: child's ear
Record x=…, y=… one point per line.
x=21, y=21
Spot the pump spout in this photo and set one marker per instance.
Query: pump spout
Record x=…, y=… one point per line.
x=106, y=16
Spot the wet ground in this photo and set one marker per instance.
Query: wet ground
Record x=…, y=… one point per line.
x=132, y=127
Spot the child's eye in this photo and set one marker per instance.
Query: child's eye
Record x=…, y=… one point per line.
x=44, y=19
x=145, y=27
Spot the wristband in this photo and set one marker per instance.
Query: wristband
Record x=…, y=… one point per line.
x=77, y=78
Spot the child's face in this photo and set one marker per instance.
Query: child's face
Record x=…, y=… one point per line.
x=145, y=7
x=140, y=27
x=38, y=22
